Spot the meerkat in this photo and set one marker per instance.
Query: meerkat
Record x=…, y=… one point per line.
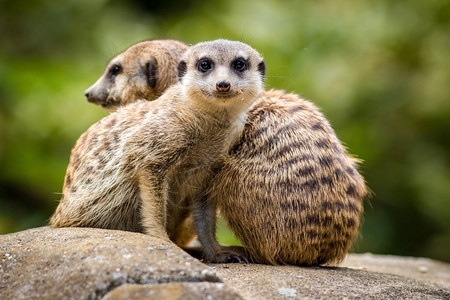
x=287, y=188
x=143, y=71
x=149, y=164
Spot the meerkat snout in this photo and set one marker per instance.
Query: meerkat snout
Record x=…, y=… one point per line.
x=96, y=95
x=223, y=86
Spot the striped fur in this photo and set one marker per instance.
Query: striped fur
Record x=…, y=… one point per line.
x=287, y=188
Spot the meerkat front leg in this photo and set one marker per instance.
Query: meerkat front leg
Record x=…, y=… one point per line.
x=153, y=205
x=204, y=210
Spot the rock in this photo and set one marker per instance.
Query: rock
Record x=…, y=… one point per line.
x=86, y=263
x=173, y=291
x=422, y=269
x=358, y=282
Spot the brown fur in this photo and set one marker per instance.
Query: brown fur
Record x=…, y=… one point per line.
x=146, y=167
x=288, y=189
x=145, y=71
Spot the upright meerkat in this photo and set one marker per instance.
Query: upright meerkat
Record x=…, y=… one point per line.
x=149, y=163
x=287, y=188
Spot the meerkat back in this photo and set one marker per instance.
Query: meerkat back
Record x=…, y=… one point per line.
x=288, y=189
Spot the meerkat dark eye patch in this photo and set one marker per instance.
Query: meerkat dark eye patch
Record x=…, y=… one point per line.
x=151, y=72
x=240, y=65
x=114, y=71
x=182, y=69
x=204, y=65
x=262, y=69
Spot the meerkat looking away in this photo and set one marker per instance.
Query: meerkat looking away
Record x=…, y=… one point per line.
x=143, y=71
x=287, y=187
x=146, y=166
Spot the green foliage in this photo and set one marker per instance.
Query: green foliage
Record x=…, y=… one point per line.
x=380, y=71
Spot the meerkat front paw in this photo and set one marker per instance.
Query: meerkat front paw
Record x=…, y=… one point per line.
x=229, y=254
x=235, y=258
x=227, y=258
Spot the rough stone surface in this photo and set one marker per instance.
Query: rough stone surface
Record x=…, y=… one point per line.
x=84, y=263
x=358, y=282
x=422, y=269
x=173, y=291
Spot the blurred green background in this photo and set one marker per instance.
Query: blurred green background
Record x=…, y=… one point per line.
x=379, y=70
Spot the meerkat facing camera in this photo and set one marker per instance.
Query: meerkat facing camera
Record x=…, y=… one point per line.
x=151, y=160
x=287, y=188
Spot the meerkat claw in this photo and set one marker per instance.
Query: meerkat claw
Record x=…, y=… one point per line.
x=234, y=258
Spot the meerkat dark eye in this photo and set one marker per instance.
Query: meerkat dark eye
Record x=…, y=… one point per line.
x=204, y=65
x=114, y=71
x=239, y=65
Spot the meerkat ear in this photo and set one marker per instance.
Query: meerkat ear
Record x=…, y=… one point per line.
x=182, y=68
x=262, y=69
x=151, y=72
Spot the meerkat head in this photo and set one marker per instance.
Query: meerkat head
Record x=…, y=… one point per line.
x=143, y=71
x=222, y=72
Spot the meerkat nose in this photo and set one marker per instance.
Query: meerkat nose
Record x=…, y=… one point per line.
x=223, y=86
x=86, y=94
